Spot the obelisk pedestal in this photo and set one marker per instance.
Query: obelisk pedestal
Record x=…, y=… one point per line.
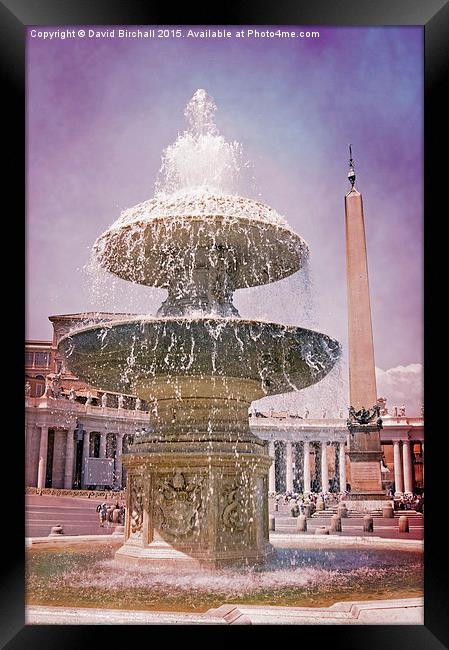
x=364, y=423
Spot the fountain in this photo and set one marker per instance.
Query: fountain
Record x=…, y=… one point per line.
x=197, y=491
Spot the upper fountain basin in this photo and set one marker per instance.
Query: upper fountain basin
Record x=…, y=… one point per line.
x=163, y=240
x=125, y=356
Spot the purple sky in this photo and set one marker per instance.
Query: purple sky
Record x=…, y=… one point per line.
x=100, y=112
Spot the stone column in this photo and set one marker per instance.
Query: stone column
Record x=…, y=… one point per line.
x=58, y=459
x=30, y=457
x=289, y=466
x=364, y=445
x=362, y=377
x=42, y=469
x=408, y=470
x=103, y=440
x=342, y=466
x=69, y=452
x=306, y=472
x=422, y=453
x=86, y=443
x=272, y=470
x=324, y=468
x=118, y=461
x=398, y=475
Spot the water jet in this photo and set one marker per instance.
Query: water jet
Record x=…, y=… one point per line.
x=197, y=491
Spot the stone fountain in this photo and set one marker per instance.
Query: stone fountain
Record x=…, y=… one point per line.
x=197, y=490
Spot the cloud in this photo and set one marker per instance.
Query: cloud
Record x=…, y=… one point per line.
x=402, y=385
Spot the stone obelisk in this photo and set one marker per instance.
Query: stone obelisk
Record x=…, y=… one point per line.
x=364, y=424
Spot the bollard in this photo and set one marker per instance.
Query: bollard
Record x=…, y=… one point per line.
x=368, y=524
x=387, y=511
x=271, y=524
x=119, y=530
x=322, y=530
x=403, y=524
x=115, y=515
x=56, y=530
x=308, y=511
x=276, y=507
x=335, y=524
x=342, y=510
x=301, y=524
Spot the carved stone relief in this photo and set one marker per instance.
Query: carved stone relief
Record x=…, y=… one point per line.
x=179, y=500
x=234, y=515
x=136, y=508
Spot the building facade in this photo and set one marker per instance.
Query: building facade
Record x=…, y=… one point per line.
x=312, y=454
x=67, y=424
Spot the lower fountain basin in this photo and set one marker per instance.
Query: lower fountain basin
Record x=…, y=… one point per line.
x=88, y=576
x=126, y=356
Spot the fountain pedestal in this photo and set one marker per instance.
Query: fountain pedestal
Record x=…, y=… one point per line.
x=191, y=507
x=198, y=483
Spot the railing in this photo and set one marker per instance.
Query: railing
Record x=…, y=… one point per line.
x=62, y=402
x=61, y=492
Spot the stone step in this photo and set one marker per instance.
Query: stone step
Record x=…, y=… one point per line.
x=326, y=514
x=372, y=513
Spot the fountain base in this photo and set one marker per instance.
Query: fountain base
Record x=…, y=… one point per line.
x=160, y=554
x=191, y=504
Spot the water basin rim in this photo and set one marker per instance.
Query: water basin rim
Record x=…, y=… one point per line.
x=254, y=222
x=192, y=319
x=144, y=205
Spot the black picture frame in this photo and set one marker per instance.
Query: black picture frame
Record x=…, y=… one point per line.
x=15, y=16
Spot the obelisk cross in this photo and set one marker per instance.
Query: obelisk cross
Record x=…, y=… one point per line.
x=351, y=173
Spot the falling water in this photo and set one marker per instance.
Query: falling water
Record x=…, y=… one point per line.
x=199, y=361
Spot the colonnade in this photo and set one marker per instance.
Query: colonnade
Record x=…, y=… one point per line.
x=301, y=456
x=305, y=481
x=284, y=470
x=403, y=467
x=64, y=456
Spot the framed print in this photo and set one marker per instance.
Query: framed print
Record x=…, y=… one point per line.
x=224, y=336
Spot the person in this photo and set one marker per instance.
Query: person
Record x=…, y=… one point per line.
x=72, y=394
x=102, y=512
x=294, y=508
x=109, y=510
